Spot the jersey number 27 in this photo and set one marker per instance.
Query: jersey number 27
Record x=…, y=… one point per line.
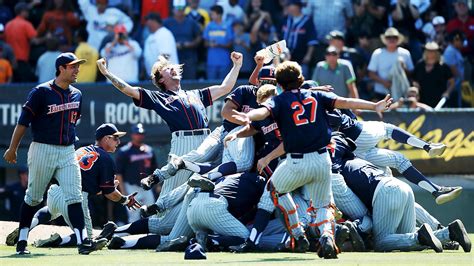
x=298, y=114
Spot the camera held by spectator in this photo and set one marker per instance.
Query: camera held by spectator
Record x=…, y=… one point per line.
x=411, y=101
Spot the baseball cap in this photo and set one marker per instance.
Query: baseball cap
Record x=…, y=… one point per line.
x=308, y=84
x=138, y=129
x=120, y=29
x=294, y=2
x=195, y=252
x=68, y=59
x=267, y=72
x=438, y=20
x=332, y=49
x=179, y=4
x=335, y=34
x=106, y=130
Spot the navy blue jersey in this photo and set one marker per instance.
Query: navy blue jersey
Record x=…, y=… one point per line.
x=302, y=119
x=344, y=123
x=52, y=113
x=245, y=98
x=184, y=110
x=242, y=191
x=97, y=170
x=132, y=161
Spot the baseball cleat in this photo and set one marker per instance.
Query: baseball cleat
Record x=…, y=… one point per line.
x=177, y=244
x=89, y=246
x=301, y=244
x=203, y=183
x=107, y=231
x=53, y=241
x=342, y=234
x=21, y=248
x=201, y=238
x=446, y=194
x=451, y=245
x=355, y=238
x=148, y=182
x=327, y=249
x=426, y=237
x=458, y=233
x=175, y=163
x=116, y=243
x=247, y=246
x=436, y=149
x=100, y=243
x=148, y=210
x=12, y=238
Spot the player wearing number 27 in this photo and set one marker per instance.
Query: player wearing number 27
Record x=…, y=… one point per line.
x=302, y=119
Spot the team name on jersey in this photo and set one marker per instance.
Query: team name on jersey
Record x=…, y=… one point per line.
x=269, y=128
x=139, y=157
x=54, y=108
x=170, y=99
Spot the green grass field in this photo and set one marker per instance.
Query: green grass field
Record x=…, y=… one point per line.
x=69, y=256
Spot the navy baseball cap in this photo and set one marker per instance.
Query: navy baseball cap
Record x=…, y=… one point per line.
x=67, y=59
x=106, y=130
x=138, y=129
x=267, y=72
x=195, y=252
x=295, y=2
x=308, y=84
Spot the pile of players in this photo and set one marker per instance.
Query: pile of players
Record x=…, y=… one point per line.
x=290, y=169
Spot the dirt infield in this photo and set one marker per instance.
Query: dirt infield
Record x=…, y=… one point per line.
x=39, y=232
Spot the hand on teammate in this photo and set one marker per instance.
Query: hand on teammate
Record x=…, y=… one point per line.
x=241, y=117
x=10, y=156
x=326, y=88
x=229, y=138
x=102, y=65
x=131, y=203
x=261, y=164
x=236, y=58
x=383, y=105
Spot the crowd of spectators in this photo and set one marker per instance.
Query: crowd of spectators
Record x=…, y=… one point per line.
x=364, y=48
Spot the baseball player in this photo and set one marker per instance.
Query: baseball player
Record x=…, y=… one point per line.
x=134, y=159
x=183, y=111
x=98, y=176
x=392, y=205
x=52, y=109
x=302, y=120
x=367, y=134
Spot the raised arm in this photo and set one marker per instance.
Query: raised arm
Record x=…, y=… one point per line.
x=351, y=103
x=259, y=64
x=228, y=83
x=121, y=85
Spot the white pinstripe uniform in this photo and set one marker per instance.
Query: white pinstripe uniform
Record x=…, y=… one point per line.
x=57, y=206
x=241, y=151
x=46, y=161
x=372, y=133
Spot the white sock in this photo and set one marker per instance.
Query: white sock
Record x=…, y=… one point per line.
x=23, y=234
x=65, y=240
x=416, y=142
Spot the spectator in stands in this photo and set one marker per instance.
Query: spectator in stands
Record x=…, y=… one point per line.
x=336, y=72
x=384, y=59
x=200, y=15
x=242, y=45
x=433, y=78
x=84, y=50
x=188, y=37
x=5, y=13
x=46, y=68
x=255, y=12
x=371, y=18
x=454, y=59
x=261, y=34
x=411, y=101
x=135, y=160
x=218, y=40
x=300, y=35
x=123, y=51
x=233, y=12
x=440, y=34
x=404, y=15
x=364, y=83
x=110, y=33
x=14, y=194
x=329, y=15
x=463, y=22
x=6, y=69
x=337, y=39
x=97, y=17
x=60, y=21
x=160, y=42
x=161, y=8
x=19, y=33
x=6, y=49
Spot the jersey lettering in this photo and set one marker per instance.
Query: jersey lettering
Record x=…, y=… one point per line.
x=86, y=158
x=299, y=111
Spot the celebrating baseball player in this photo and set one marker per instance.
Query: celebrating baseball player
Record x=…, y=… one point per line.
x=52, y=109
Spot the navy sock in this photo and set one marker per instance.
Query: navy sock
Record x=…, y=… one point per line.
x=147, y=242
x=135, y=228
x=226, y=241
x=26, y=216
x=403, y=136
x=262, y=218
x=224, y=169
x=76, y=216
x=414, y=176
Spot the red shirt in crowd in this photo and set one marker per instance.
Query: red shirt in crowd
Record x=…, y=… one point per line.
x=466, y=27
x=58, y=22
x=157, y=6
x=18, y=33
